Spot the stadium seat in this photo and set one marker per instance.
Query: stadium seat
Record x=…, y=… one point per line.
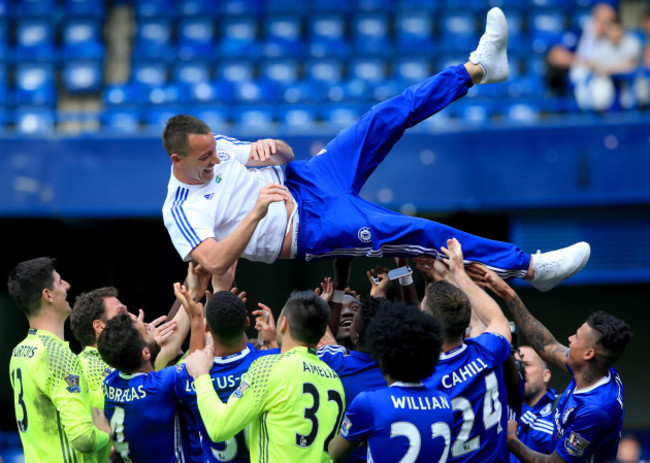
x=370, y=34
x=546, y=28
x=565, y=4
x=4, y=9
x=474, y=112
x=155, y=117
x=82, y=76
x=119, y=95
x=166, y=94
x=196, y=38
x=477, y=5
x=33, y=8
x=34, y=84
x=280, y=71
x=35, y=40
x=368, y=69
x=4, y=41
x=521, y=112
x=84, y=9
x=375, y=5
x=458, y=30
x=517, y=44
x=414, y=31
x=253, y=91
x=153, y=8
x=207, y=9
x=235, y=70
x=239, y=37
x=298, y=117
x=191, y=72
x=326, y=35
x=282, y=36
x=302, y=91
x=285, y=6
x=254, y=117
x=411, y=70
x=580, y=18
x=210, y=92
x=327, y=71
x=149, y=73
x=341, y=115
x=509, y=5
x=217, y=117
x=240, y=7
x=153, y=39
x=34, y=121
x=421, y=5
x=450, y=59
x=82, y=38
x=121, y=120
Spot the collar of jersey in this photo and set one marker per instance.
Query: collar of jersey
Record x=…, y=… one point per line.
x=454, y=352
x=601, y=381
x=132, y=375
x=232, y=357
x=405, y=384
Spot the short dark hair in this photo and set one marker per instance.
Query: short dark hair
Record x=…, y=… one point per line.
x=226, y=316
x=405, y=341
x=615, y=335
x=369, y=308
x=87, y=308
x=28, y=279
x=308, y=315
x=451, y=306
x=177, y=129
x=120, y=344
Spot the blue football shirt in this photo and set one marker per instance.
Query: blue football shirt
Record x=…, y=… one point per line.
x=535, y=428
x=143, y=412
x=405, y=422
x=588, y=421
x=226, y=375
x=472, y=376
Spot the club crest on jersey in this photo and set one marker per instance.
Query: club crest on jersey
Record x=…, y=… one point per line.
x=575, y=444
x=345, y=426
x=240, y=390
x=73, y=383
x=223, y=156
x=364, y=235
x=567, y=414
x=107, y=371
x=546, y=410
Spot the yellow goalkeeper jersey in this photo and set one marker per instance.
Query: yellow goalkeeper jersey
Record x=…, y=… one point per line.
x=51, y=402
x=292, y=401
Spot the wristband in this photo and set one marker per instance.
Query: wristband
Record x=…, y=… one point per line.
x=338, y=296
x=406, y=280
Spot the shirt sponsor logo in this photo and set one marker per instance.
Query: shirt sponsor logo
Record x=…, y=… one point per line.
x=240, y=390
x=223, y=156
x=575, y=444
x=364, y=235
x=345, y=426
x=73, y=383
x=567, y=414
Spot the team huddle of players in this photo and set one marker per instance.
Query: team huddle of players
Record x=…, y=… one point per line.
x=408, y=381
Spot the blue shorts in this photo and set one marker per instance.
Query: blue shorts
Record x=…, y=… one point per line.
x=335, y=221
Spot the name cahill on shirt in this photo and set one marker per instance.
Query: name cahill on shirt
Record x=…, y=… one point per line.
x=464, y=373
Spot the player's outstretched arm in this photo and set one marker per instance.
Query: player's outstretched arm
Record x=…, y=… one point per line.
x=270, y=152
x=538, y=335
x=219, y=256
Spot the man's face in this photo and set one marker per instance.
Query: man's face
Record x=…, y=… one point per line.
x=59, y=294
x=112, y=307
x=154, y=347
x=537, y=376
x=198, y=165
x=579, y=345
x=349, y=307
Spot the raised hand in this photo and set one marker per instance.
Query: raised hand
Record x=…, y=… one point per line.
x=199, y=362
x=265, y=326
x=261, y=150
x=326, y=290
x=378, y=288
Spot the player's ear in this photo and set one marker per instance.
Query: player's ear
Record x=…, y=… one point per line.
x=176, y=158
x=98, y=326
x=146, y=353
x=546, y=375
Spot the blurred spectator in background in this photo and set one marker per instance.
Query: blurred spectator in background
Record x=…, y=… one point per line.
x=642, y=84
x=629, y=450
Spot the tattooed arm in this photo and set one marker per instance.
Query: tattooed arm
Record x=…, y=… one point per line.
x=539, y=337
x=526, y=455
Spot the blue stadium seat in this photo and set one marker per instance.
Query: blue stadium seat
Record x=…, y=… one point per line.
x=84, y=9
x=34, y=84
x=239, y=37
x=580, y=18
x=82, y=38
x=303, y=91
x=217, y=117
x=475, y=112
x=156, y=117
x=450, y=59
x=330, y=6
x=153, y=8
x=509, y=5
x=153, y=39
x=4, y=9
x=35, y=40
x=375, y=5
x=517, y=44
x=281, y=71
x=240, y=7
x=256, y=117
x=522, y=112
x=167, y=94
x=414, y=31
x=421, y=5
x=327, y=36
x=262, y=91
x=411, y=70
x=298, y=117
x=285, y=6
x=282, y=36
x=210, y=92
x=207, y=9
x=368, y=69
x=33, y=8
x=342, y=115
x=477, y=5
x=546, y=27
x=235, y=70
x=121, y=120
x=458, y=30
x=370, y=32
x=191, y=72
x=196, y=38
x=148, y=73
x=82, y=76
x=565, y=4
x=327, y=71
x=34, y=121
x=4, y=41
x=120, y=94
